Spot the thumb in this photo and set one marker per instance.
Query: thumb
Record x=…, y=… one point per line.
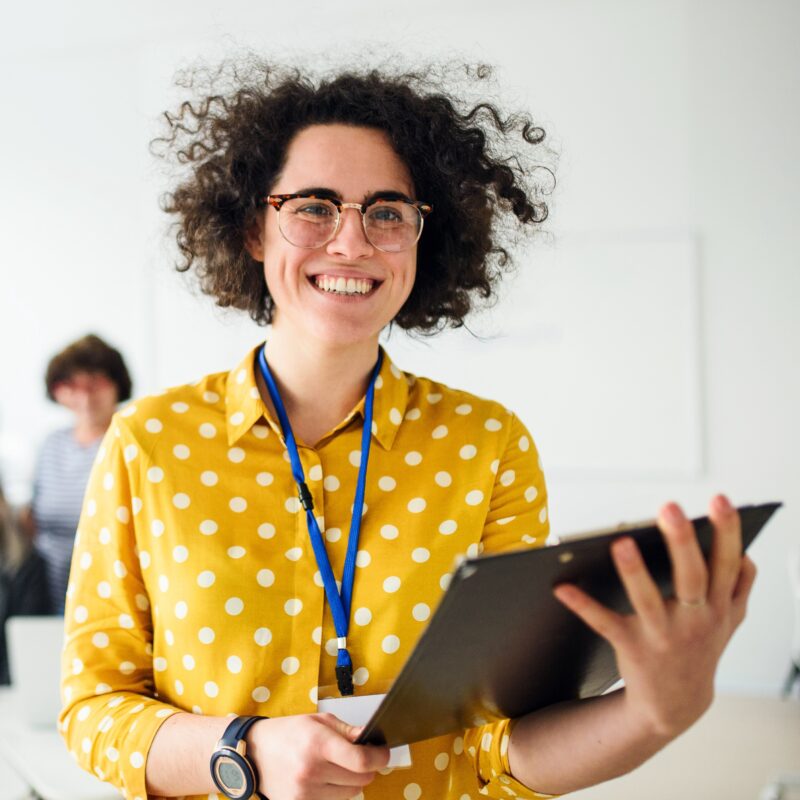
x=349, y=732
x=353, y=731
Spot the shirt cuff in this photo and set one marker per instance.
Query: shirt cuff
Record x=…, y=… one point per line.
x=111, y=735
x=494, y=770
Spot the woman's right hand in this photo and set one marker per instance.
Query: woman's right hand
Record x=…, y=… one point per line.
x=312, y=756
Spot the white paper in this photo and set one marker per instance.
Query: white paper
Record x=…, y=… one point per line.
x=358, y=711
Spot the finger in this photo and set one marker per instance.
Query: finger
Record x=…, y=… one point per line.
x=354, y=732
x=689, y=571
x=350, y=732
x=741, y=592
x=642, y=591
x=330, y=791
x=726, y=550
x=339, y=776
x=601, y=620
x=357, y=758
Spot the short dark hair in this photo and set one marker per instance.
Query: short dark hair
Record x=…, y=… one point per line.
x=89, y=354
x=472, y=163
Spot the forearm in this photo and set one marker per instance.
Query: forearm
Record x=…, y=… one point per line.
x=574, y=745
x=179, y=757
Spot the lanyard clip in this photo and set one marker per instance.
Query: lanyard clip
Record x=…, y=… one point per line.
x=344, y=678
x=306, y=499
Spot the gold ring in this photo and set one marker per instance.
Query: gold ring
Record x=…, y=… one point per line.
x=699, y=603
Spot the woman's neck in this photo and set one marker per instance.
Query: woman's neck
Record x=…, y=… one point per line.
x=318, y=383
x=88, y=430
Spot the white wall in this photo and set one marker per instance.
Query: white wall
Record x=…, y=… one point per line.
x=650, y=345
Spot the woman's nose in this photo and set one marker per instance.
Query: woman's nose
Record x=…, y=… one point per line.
x=350, y=240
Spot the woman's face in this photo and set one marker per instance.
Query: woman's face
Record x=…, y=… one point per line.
x=352, y=164
x=89, y=395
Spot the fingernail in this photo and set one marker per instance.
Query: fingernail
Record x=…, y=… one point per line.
x=722, y=504
x=565, y=593
x=673, y=514
x=624, y=549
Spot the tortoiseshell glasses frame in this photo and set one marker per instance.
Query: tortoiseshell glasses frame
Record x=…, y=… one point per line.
x=315, y=229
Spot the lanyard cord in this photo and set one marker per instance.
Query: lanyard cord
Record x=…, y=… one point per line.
x=339, y=603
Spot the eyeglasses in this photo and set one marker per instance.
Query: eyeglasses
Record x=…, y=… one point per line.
x=308, y=221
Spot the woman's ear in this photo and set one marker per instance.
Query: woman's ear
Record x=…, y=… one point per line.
x=254, y=238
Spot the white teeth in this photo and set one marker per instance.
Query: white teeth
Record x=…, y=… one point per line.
x=349, y=286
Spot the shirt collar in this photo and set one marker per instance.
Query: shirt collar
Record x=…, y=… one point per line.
x=389, y=406
x=244, y=406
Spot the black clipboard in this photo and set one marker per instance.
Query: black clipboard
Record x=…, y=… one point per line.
x=500, y=645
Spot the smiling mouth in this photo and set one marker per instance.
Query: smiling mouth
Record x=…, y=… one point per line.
x=345, y=287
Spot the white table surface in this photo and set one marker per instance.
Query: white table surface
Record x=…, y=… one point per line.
x=41, y=760
x=13, y=787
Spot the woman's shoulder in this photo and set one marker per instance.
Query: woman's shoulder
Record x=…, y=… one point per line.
x=439, y=403
x=55, y=444
x=474, y=425
x=429, y=392
x=175, y=404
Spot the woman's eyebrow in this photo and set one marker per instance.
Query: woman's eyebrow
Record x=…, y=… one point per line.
x=381, y=194
x=319, y=191
x=385, y=194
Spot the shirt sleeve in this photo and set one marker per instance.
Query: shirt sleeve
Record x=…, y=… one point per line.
x=110, y=713
x=517, y=518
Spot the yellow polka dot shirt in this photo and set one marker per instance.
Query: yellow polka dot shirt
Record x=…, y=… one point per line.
x=194, y=585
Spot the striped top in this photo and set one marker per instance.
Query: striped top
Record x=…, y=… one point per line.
x=62, y=472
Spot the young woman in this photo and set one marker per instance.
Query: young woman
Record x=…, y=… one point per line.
x=221, y=515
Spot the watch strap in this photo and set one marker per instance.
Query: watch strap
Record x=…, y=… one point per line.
x=237, y=730
x=231, y=737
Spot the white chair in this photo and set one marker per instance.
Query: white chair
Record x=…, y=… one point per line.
x=29, y=740
x=34, y=664
x=24, y=640
x=13, y=787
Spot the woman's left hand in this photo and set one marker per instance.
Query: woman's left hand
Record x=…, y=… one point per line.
x=667, y=650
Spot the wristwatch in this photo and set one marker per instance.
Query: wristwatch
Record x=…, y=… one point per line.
x=233, y=773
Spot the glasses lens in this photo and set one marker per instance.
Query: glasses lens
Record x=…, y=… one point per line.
x=392, y=225
x=307, y=222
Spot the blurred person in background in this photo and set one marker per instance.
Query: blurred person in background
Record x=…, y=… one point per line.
x=23, y=581
x=88, y=377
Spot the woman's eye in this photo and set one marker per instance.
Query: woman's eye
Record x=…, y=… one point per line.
x=385, y=214
x=314, y=210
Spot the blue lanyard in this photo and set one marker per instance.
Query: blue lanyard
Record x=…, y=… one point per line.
x=339, y=603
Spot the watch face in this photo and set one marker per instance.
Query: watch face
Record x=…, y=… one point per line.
x=232, y=774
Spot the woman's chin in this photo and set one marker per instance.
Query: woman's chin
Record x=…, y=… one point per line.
x=336, y=337
x=343, y=333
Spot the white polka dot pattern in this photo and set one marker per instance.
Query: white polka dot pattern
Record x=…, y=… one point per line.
x=223, y=578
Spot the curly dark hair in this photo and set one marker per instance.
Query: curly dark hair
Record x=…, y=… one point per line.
x=464, y=160
x=89, y=354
